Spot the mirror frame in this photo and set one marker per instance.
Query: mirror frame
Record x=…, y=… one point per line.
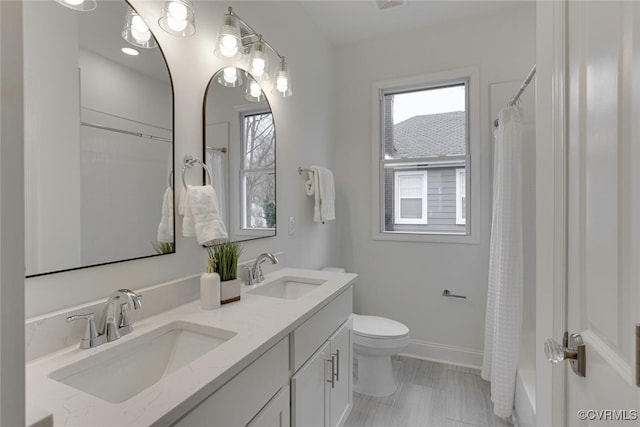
x=230, y=230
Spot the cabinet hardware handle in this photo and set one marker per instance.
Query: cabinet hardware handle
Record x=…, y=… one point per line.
x=337, y=354
x=333, y=374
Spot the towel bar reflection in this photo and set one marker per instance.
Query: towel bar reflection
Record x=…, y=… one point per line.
x=189, y=161
x=447, y=293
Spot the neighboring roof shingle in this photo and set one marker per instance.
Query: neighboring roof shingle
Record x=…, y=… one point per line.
x=431, y=135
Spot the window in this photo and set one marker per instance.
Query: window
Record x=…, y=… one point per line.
x=257, y=171
x=411, y=197
x=423, y=158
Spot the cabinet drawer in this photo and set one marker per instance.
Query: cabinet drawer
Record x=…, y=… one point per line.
x=307, y=338
x=240, y=399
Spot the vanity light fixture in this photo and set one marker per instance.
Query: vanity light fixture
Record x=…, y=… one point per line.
x=229, y=43
x=81, y=5
x=230, y=77
x=236, y=38
x=178, y=18
x=136, y=31
x=258, y=64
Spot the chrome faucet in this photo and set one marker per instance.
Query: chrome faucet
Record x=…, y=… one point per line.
x=255, y=271
x=114, y=323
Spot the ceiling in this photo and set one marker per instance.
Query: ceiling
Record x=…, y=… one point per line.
x=347, y=21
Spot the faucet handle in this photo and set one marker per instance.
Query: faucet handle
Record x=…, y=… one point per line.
x=90, y=333
x=250, y=280
x=124, y=327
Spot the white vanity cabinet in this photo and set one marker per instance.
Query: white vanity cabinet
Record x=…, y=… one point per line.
x=238, y=401
x=321, y=389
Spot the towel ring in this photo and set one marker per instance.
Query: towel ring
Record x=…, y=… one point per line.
x=189, y=161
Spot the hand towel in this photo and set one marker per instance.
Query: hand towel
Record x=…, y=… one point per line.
x=325, y=194
x=202, y=215
x=188, y=226
x=165, y=228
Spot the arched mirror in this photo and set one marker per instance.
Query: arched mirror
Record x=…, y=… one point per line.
x=98, y=138
x=240, y=151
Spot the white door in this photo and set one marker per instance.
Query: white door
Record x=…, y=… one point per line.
x=603, y=209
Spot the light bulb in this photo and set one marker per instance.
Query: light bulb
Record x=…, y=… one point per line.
x=282, y=84
x=230, y=75
x=258, y=66
x=228, y=45
x=177, y=24
x=255, y=90
x=74, y=2
x=139, y=29
x=177, y=17
x=178, y=10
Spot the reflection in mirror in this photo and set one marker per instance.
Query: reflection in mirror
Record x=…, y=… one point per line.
x=240, y=150
x=98, y=139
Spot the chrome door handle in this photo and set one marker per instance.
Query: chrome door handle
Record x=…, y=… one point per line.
x=337, y=354
x=571, y=349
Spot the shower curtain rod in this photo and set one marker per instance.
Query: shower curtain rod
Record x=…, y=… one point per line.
x=221, y=149
x=126, y=132
x=521, y=89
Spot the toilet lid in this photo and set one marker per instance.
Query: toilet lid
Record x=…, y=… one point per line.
x=378, y=327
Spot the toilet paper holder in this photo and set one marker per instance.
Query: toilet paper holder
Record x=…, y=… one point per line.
x=447, y=293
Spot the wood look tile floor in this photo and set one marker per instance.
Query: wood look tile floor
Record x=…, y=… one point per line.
x=429, y=394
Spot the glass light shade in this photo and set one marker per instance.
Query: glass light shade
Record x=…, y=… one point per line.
x=253, y=92
x=178, y=18
x=257, y=63
x=230, y=77
x=81, y=5
x=229, y=43
x=282, y=80
x=136, y=31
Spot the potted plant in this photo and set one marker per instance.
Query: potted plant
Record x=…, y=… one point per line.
x=225, y=260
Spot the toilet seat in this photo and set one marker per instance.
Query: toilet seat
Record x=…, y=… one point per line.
x=375, y=327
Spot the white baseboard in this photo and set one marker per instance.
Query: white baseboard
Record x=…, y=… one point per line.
x=444, y=353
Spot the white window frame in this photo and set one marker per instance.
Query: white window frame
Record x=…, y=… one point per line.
x=460, y=218
x=423, y=220
x=471, y=75
x=237, y=205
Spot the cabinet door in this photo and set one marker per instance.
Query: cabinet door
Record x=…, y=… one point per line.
x=276, y=413
x=342, y=386
x=309, y=395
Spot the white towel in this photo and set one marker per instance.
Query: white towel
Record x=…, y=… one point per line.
x=322, y=187
x=199, y=205
x=165, y=228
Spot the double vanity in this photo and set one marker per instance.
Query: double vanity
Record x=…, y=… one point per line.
x=280, y=356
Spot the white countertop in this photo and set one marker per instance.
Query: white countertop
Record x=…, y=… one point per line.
x=259, y=321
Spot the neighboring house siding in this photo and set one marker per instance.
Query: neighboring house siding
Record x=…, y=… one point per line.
x=441, y=203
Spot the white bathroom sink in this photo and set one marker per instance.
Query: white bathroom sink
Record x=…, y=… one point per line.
x=126, y=369
x=288, y=287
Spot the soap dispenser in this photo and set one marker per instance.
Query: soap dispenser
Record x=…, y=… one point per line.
x=210, y=287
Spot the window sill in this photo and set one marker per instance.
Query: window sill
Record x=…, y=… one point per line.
x=465, y=239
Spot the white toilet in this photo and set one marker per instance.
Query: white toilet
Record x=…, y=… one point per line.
x=375, y=340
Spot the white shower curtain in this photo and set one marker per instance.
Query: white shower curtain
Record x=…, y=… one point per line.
x=503, y=323
x=215, y=162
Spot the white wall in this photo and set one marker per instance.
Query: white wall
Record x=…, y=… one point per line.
x=11, y=217
x=304, y=131
x=404, y=281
